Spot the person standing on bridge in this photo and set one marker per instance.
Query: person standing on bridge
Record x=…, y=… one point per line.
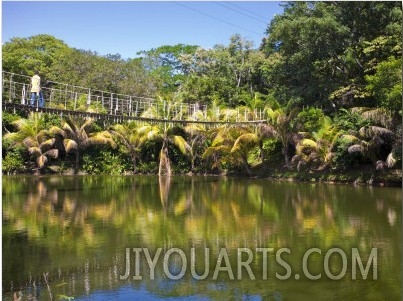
x=36, y=90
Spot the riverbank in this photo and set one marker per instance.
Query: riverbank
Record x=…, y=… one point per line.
x=366, y=176
x=392, y=178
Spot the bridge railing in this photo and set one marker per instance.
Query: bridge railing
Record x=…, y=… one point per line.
x=16, y=89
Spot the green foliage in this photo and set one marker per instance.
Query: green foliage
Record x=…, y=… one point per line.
x=105, y=161
x=7, y=121
x=348, y=120
x=166, y=67
x=25, y=55
x=341, y=158
x=386, y=84
x=309, y=120
x=13, y=162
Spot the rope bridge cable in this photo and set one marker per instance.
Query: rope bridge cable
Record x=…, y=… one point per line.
x=66, y=99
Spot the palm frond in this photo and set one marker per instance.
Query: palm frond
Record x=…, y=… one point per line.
x=34, y=150
x=369, y=131
x=69, y=130
x=181, y=143
x=47, y=144
x=214, y=151
x=349, y=138
x=356, y=148
x=306, y=146
x=86, y=124
x=41, y=161
x=391, y=160
x=267, y=131
x=30, y=142
x=69, y=145
x=55, y=130
x=101, y=138
x=53, y=153
x=245, y=141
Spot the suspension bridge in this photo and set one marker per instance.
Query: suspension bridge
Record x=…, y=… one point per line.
x=71, y=100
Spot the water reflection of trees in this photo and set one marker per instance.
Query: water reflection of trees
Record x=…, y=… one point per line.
x=77, y=224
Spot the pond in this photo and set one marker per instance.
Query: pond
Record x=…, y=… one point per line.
x=198, y=238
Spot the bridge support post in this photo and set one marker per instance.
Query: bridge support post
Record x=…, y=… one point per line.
x=130, y=106
x=11, y=87
x=89, y=97
x=111, y=104
x=23, y=94
x=75, y=101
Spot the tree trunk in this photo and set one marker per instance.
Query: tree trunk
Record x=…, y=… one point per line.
x=77, y=162
x=261, y=151
x=134, y=164
x=165, y=163
x=246, y=164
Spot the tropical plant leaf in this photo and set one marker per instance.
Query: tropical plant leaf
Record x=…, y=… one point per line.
x=69, y=145
x=53, y=153
x=41, y=161
x=34, y=150
x=30, y=142
x=55, y=130
x=356, y=148
x=369, y=131
x=47, y=144
x=267, y=131
x=217, y=150
x=100, y=138
x=69, y=129
x=391, y=160
x=181, y=143
x=245, y=141
x=349, y=138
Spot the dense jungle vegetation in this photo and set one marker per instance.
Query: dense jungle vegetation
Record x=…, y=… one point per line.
x=327, y=75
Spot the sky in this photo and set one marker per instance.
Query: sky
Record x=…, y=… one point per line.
x=128, y=27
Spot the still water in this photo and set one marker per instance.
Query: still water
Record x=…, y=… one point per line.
x=87, y=237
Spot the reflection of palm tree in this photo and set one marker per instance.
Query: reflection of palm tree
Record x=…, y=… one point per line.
x=165, y=186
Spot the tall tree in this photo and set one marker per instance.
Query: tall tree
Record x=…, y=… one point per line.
x=164, y=65
x=302, y=41
x=25, y=55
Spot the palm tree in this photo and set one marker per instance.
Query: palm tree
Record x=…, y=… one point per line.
x=166, y=132
x=197, y=137
x=316, y=149
x=77, y=136
x=380, y=140
x=231, y=144
x=377, y=144
x=131, y=138
x=242, y=146
x=35, y=137
x=280, y=121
